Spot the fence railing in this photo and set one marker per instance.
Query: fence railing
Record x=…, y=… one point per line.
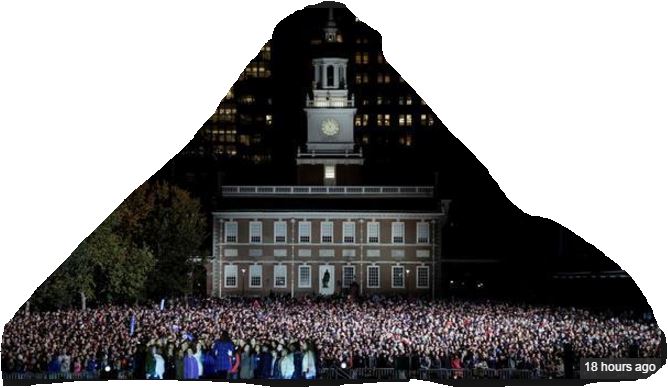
x=358, y=191
x=379, y=374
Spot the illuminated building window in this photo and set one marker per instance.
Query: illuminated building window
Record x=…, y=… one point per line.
x=379, y=78
x=268, y=119
x=365, y=120
x=231, y=150
x=409, y=100
x=255, y=276
x=361, y=120
x=365, y=139
x=280, y=231
x=397, y=276
x=365, y=102
x=244, y=140
x=386, y=120
x=430, y=120
x=248, y=99
x=304, y=276
x=381, y=59
x=358, y=58
x=349, y=232
x=379, y=100
x=383, y=120
x=387, y=78
x=230, y=276
x=231, y=232
x=365, y=58
x=423, y=119
x=330, y=172
x=255, y=231
x=365, y=78
x=422, y=233
x=326, y=231
x=400, y=101
x=358, y=121
x=398, y=232
x=409, y=120
x=358, y=79
x=280, y=276
x=373, y=232
x=304, y=232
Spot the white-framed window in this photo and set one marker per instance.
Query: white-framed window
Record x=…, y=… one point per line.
x=372, y=276
x=304, y=232
x=255, y=276
x=348, y=275
x=304, y=276
x=231, y=275
x=398, y=232
x=326, y=232
x=231, y=231
x=349, y=232
x=422, y=233
x=373, y=232
x=330, y=172
x=255, y=231
x=398, y=276
x=280, y=232
x=422, y=276
x=280, y=276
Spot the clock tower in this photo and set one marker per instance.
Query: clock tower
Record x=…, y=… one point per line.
x=331, y=156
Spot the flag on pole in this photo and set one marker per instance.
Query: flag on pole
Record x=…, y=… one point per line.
x=133, y=322
x=162, y=304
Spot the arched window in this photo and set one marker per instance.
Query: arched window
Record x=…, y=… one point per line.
x=330, y=75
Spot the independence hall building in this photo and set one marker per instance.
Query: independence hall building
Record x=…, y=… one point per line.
x=327, y=233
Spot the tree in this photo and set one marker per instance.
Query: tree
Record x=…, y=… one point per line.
x=167, y=221
x=140, y=250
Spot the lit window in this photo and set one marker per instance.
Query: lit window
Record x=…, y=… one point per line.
x=409, y=120
x=304, y=276
x=386, y=120
x=430, y=120
x=381, y=59
x=373, y=232
x=326, y=232
x=349, y=232
x=373, y=276
x=358, y=121
x=400, y=101
x=280, y=276
x=423, y=232
x=231, y=232
x=379, y=78
x=379, y=100
x=365, y=78
x=358, y=79
x=398, y=232
x=280, y=231
x=230, y=272
x=386, y=78
x=365, y=58
x=423, y=119
x=268, y=119
x=409, y=100
x=358, y=58
x=348, y=275
x=365, y=120
x=304, y=232
x=255, y=276
x=255, y=231
x=422, y=277
x=248, y=99
x=330, y=172
x=402, y=120
x=397, y=276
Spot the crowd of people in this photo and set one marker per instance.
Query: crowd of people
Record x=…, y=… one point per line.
x=283, y=338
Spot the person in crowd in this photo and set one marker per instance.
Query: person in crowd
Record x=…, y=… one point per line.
x=374, y=332
x=190, y=369
x=246, y=369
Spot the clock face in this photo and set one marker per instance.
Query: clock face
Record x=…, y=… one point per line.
x=330, y=127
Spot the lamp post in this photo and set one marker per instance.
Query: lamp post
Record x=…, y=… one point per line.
x=243, y=281
x=361, y=244
x=408, y=282
x=292, y=272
